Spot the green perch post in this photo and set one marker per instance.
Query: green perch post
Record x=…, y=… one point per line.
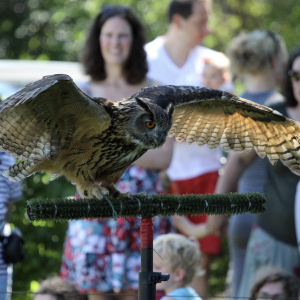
x=142, y=205
x=146, y=207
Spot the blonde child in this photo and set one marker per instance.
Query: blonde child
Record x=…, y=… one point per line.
x=56, y=288
x=180, y=257
x=216, y=71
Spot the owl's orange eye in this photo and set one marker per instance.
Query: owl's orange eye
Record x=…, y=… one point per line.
x=150, y=124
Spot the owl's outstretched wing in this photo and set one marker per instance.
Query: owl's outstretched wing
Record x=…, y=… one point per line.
x=41, y=118
x=213, y=117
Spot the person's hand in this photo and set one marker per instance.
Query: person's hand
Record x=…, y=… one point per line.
x=182, y=224
x=217, y=224
x=185, y=226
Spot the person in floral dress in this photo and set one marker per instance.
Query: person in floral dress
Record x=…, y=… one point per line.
x=102, y=257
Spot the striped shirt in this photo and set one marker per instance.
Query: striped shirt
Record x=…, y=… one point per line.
x=9, y=191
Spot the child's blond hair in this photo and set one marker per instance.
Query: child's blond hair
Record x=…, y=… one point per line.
x=60, y=289
x=219, y=61
x=178, y=251
x=254, y=52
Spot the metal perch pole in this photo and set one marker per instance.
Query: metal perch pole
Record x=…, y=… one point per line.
x=147, y=278
x=146, y=207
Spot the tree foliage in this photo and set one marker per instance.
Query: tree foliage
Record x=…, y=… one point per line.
x=232, y=16
x=44, y=240
x=56, y=30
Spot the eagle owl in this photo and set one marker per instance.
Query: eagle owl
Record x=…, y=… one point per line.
x=51, y=125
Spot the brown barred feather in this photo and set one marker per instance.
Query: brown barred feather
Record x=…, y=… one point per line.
x=238, y=124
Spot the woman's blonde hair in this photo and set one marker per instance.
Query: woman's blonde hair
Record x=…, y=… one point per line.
x=178, y=251
x=255, y=52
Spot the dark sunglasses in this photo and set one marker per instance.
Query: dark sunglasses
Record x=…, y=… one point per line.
x=108, y=9
x=294, y=75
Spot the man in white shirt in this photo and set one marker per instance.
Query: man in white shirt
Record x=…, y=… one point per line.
x=177, y=58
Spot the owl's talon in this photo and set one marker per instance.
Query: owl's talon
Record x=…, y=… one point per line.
x=116, y=194
x=93, y=191
x=99, y=192
x=123, y=195
x=144, y=194
x=128, y=195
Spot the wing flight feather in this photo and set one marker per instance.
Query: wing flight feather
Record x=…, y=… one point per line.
x=38, y=120
x=216, y=118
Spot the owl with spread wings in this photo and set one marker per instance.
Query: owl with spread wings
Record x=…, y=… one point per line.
x=51, y=125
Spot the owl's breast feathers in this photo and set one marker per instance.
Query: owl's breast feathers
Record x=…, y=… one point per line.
x=96, y=157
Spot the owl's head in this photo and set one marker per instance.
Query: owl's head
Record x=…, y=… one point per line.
x=149, y=123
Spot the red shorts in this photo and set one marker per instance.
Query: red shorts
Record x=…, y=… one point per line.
x=203, y=184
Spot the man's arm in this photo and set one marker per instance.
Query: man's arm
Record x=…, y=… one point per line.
x=234, y=168
x=159, y=158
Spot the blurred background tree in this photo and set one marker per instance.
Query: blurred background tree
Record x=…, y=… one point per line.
x=44, y=240
x=56, y=30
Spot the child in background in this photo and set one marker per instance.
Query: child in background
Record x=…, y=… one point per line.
x=216, y=75
x=216, y=71
x=180, y=257
x=56, y=288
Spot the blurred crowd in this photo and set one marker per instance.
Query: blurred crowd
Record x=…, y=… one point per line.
x=101, y=258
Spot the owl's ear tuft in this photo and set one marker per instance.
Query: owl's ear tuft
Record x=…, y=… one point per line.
x=170, y=109
x=143, y=103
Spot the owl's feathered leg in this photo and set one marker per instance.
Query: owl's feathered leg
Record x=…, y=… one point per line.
x=116, y=193
x=111, y=188
x=92, y=190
